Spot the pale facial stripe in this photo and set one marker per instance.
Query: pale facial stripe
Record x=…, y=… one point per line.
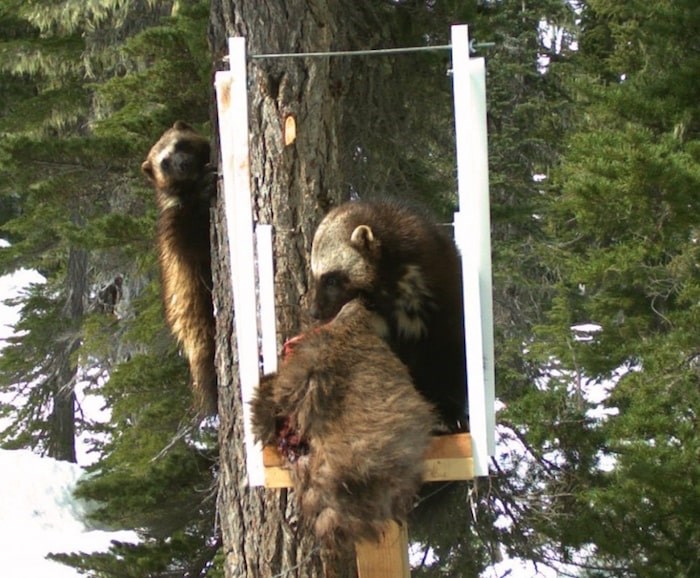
x=164, y=153
x=412, y=301
x=332, y=252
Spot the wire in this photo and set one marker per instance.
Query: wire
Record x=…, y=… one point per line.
x=353, y=52
x=378, y=51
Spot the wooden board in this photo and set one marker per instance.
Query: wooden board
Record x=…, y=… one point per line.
x=448, y=458
x=386, y=558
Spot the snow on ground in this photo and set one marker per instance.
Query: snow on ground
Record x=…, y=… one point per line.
x=39, y=515
x=11, y=286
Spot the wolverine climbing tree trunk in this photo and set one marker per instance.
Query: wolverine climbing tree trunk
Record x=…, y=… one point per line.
x=294, y=183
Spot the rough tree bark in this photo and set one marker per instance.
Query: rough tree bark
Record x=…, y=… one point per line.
x=62, y=381
x=293, y=186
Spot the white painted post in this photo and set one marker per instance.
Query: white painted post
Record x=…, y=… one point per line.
x=232, y=101
x=473, y=236
x=266, y=279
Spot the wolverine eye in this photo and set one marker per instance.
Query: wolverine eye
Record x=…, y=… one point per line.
x=332, y=280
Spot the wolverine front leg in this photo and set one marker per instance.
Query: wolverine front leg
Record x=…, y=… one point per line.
x=265, y=411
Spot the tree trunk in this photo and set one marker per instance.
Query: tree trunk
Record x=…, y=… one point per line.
x=293, y=185
x=62, y=443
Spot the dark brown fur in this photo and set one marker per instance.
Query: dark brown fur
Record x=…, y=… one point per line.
x=345, y=413
x=406, y=268
x=178, y=168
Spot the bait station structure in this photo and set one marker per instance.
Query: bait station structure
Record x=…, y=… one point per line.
x=452, y=457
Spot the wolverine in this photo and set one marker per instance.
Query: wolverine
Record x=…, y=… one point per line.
x=345, y=414
x=406, y=269
x=184, y=181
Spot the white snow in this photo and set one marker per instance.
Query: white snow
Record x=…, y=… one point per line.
x=11, y=286
x=587, y=328
x=586, y=332
x=39, y=515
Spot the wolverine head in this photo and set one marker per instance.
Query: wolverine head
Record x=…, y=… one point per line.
x=344, y=256
x=178, y=159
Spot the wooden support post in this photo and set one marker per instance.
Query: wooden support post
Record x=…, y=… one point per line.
x=448, y=458
x=387, y=558
x=232, y=105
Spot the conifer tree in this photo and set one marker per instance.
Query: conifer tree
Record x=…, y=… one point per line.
x=623, y=241
x=90, y=88
x=44, y=181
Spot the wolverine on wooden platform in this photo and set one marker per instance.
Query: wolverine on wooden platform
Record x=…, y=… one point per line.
x=345, y=414
x=406, y=269
x=179, y=170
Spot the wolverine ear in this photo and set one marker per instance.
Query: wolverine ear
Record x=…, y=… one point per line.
x=362, y=237
x=182, y=125
x=147, y=169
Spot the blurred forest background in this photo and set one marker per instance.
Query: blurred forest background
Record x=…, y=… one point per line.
x=594, y=152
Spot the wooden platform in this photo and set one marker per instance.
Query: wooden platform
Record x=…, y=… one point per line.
x=448, y=458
